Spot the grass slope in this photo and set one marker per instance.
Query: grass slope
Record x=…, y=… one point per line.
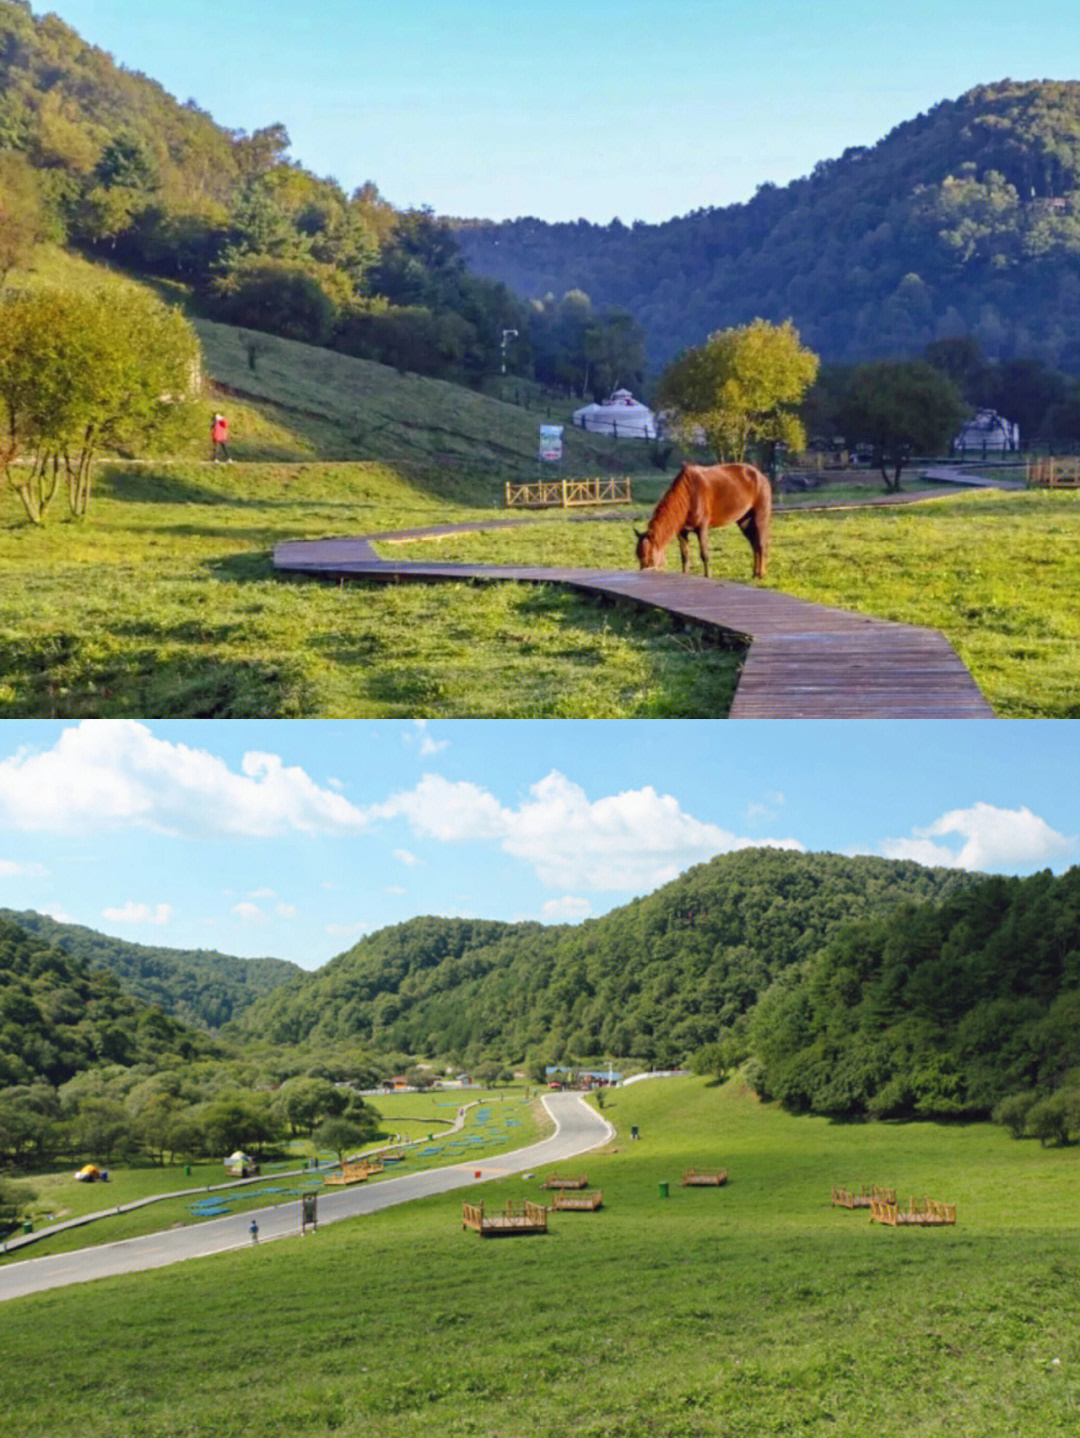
x=163, y=603
x=754, y=1309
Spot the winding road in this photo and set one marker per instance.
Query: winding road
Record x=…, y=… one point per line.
x=578, y=1128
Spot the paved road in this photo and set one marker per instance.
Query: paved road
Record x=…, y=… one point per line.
x=578, y=1128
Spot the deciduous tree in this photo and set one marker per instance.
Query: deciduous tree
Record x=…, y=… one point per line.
x=740, y=388
x=899, y=408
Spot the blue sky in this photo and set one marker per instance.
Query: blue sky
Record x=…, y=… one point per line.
x=642, y=109
x=294, y=839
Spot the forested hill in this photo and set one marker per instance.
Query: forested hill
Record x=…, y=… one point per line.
x=103, y=159
x=943, y=1012
x=655, y=980
x=965, y=220
x=58, y=1018
x=196, y=986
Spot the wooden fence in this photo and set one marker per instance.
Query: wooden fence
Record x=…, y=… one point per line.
x=925, y=1212
x=865, y=1197
x=527, y=1217
x=553, y=1180
x=579, y=1202
x=567, y=493
x=1051, y=473
x=704, y=1177
x=355, y=1172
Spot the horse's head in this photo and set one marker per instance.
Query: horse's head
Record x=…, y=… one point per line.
x=649, y=553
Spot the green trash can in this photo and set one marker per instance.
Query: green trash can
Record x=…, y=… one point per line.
x=187, y=1170
x=663, y=1190
x=28, y=1226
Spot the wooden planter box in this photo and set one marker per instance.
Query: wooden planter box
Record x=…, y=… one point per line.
x=704, y=1177
x=528, y=1217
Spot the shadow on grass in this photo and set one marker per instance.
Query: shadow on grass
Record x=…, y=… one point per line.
x=64, y=678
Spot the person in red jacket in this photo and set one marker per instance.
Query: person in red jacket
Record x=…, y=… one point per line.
x=219, y=438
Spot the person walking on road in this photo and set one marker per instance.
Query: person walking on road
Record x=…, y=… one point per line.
x=254, y=1231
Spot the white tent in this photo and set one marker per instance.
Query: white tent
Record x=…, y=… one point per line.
x=988, y=431
x=620, y=415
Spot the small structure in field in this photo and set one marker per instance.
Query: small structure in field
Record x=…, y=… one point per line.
x=553, y=1180
x=704, y=1177
x=241, y=1165
x=578, y=1202
x=842, y=1198
x=921, y=1212
x=527, y=1217
x=355, y=1172
x=621, y=416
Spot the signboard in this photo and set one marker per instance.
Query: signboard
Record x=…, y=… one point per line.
x=551, y=443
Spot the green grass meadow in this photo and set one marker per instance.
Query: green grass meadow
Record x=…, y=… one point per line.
x=996, y=572
x=162, y=602
x=749, y=1310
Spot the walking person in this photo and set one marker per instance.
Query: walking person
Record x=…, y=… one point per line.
x=219, y=439
x=254, y=1231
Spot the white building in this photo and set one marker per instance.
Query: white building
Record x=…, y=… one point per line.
x=987, y=433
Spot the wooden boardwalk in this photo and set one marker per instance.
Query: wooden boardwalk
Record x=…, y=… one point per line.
x=805, y=661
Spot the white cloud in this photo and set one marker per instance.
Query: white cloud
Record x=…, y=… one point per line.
x=632, y=840
x=395, y=889
x=263, y=894
x=346, y=931
x=404, y=856
x=13, y=869
x=133, y=913
x=993, y=839
x=114, y=772
x=567, y=910
x=249, y=913
x=54, y=911
x=285, y=911
x=428, y=743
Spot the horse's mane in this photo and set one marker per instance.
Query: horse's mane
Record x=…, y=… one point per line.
x=671, y=510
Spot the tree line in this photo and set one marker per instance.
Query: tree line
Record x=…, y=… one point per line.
x=957, y=1008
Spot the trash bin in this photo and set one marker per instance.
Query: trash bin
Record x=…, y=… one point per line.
x=27, y=1227
x=663, y=1190
x=187, y=1170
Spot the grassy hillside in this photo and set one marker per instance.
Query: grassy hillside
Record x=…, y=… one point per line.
x=748, y=1310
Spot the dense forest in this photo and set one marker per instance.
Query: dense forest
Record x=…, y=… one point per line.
x=59, y=1017
x=102, y=158
x=943, y=1011
x=655, y=980
x=197, y=986
x=963, y=221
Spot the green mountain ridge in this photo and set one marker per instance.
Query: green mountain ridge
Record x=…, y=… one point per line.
x=962, y=221
x=199, y=987
x=656, y=979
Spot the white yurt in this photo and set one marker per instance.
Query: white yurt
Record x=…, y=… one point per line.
x=621, y=415
x=987, y=432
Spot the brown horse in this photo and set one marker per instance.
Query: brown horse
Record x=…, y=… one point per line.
x=704, y=497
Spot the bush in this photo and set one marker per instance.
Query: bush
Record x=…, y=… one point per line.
x=1013, y=1113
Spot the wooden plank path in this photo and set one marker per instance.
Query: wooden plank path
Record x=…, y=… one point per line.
x=805, y=661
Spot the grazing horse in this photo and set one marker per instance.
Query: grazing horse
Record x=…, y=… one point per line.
x=704, y=497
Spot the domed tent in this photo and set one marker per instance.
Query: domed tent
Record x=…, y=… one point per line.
x=621, y=415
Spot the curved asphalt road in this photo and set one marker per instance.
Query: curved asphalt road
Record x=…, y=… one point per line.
x=578, y=1128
